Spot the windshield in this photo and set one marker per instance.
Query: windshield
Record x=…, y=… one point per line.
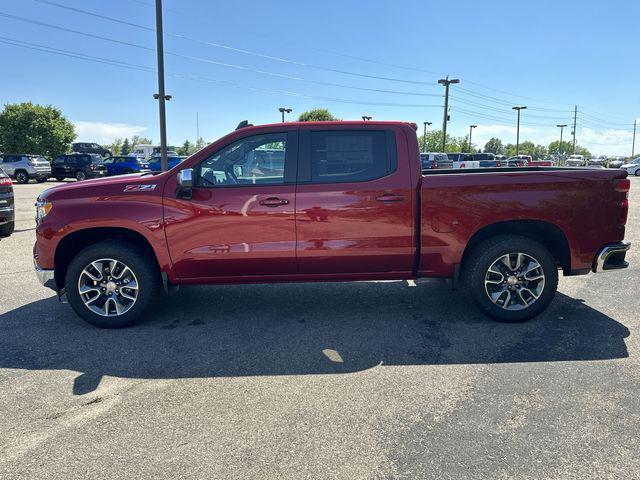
x=96, y=159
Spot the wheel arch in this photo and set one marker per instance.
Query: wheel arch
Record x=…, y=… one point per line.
x=76, y=241
x=546, y=233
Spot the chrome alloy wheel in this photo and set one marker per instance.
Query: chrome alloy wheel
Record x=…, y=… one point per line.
x=108, y=287
x=514, y=281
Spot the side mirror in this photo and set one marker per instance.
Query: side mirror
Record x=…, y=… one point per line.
x=185, y=178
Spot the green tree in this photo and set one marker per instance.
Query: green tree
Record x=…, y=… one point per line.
x=115, y=146
x=126, y=147
x=495, y=146
x=567, y=149
x=200, y=144
x=540, y=152
x=186, y=148
x=37, y=129
x=316, y=115
x=136, y=140
x=434, y=142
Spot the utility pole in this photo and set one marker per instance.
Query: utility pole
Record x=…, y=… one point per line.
x=446, y=82
x=575, y=119
x=560, y=146
x=518, y=108
x=283, y=110
x=424, y=137
x=633, y=145
x=160, y=96
x=471, y=127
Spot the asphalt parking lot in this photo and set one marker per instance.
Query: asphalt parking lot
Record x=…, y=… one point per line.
x=361, y=380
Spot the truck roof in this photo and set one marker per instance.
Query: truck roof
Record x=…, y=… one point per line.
x=335, y=123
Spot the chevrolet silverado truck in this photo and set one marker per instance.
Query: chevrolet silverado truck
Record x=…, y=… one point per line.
x=327, y=201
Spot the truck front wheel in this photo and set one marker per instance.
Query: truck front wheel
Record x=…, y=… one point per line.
x=511, y=278
x=109, y=284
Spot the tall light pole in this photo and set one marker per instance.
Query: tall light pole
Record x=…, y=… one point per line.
x=160, y=96
x=575, y=120
x=366, y=117
x=283, y=110
x=424, y=137
x=518, y=108
x=633, y=145
x=446, y=82
x=561, y=127
x=471, y=127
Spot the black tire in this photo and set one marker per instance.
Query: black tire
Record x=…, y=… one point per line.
x=637, y=172
x=22, y=177
x=41, y=180
x=483, y=256
x=7, y=229
x=60, y=179
x=139, y=262
x=80, y=175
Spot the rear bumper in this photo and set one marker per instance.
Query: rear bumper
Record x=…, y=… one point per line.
x=611, y=257
x=46, y=277
x=7, y=214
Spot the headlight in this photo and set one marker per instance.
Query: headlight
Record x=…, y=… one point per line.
x=42, y=208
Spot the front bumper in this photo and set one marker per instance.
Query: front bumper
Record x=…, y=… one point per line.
x=611, y=257
x=46, y=277
x=40, y=174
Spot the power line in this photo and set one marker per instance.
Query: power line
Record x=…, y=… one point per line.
x=235, y=49
x=81, y=56
x=215, y=62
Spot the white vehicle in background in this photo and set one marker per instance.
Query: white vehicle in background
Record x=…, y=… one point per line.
x=633, y=167
x=575, y=161
x=144, y=152
x=599, y=160
x=467, y=164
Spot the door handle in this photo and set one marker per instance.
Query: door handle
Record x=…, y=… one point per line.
x=274, y=202
x=390, y=197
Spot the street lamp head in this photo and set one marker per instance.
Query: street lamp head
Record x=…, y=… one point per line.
x=561, y=126
x=285, y=110
x=455, y=80
x=519, y=107
x=473, y=126
x=365, y=118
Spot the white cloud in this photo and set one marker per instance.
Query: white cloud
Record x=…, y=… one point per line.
x=103, y=132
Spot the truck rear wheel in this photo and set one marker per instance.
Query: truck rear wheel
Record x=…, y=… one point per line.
x=511, y=278
x=109, y=284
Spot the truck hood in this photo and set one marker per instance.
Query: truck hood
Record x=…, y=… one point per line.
x=106, y=186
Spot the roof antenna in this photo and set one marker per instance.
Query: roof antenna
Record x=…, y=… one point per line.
x=244, y=124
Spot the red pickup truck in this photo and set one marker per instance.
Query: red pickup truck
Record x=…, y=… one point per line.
x=327, y=201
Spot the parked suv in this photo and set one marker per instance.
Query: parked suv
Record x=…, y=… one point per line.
x=24, y=167
x=7, y=212
x=124, y=164
x=432, y=161
x=79, y=166
x=84, y=147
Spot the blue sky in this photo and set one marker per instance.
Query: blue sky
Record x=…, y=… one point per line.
x=248, y=58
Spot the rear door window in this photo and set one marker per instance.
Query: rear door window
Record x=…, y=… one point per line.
x=350, y=156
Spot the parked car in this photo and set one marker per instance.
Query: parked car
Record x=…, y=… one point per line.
x=25, y=167
x=86, y=147
x=433, y=160
x=349, y=203
x=487, y=160
x=633, y=167
x=518, y=161
x=575, y=161
x=541, y=163
x=7, y=207
x=598, y=160
x=124, y=164
x=146, y=151
x=616, y=162
x=155, y=162
x=79, y=166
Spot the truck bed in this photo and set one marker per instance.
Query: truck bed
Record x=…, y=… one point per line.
x=575, y=205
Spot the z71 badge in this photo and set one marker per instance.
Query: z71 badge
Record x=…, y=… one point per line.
x=140, y=188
